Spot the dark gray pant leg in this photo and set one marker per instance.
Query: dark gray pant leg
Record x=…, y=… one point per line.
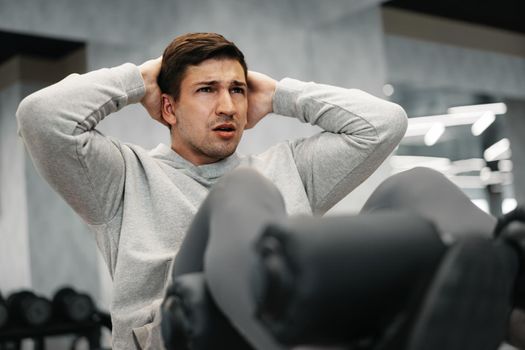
x=221, y=243
x=430, y=194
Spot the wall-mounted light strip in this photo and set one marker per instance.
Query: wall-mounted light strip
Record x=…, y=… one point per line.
x=419, y=126
x=456, y=171
x=496, y=108
x=483, y=123
x=479, y=116
x=499, y=150
x=402, y=163
x=434, y=133
x=508, y=204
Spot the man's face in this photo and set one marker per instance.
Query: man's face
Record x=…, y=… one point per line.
x=208, y=119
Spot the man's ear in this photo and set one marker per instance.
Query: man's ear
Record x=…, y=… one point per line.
x=168, y=109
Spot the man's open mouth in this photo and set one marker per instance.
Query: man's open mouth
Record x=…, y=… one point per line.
x=224, y=127
x=225, y=131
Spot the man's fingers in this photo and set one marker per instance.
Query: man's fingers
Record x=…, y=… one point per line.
x=152, y=98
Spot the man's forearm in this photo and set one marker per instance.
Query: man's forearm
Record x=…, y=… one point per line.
x=361, y=131
x=338, y=110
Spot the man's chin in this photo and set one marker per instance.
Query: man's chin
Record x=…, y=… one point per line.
x=221, y=153
x=229, y=153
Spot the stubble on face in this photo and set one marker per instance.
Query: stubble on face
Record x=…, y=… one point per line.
x=210, y=97
x=208, y=147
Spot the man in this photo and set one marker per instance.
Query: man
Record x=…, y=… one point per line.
x=139, y=203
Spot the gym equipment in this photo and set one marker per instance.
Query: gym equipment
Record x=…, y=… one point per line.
x=420, y=268
x=469, y=301
x=327, y=281
x=73, y=306
x=511, y=228
x=4, y=315
x=329, y=287
x=220, y=243
x=34, y=317
x=191, y=320
x=29, y=309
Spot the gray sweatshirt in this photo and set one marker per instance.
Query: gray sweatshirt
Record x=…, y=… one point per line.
x=138, y=203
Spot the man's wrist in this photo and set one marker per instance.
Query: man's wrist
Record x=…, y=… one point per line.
x=131, y=80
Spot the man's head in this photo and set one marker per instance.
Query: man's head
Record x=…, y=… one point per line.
x=203, y=81
x=191, y=49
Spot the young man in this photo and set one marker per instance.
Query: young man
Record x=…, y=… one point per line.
x=139, y=203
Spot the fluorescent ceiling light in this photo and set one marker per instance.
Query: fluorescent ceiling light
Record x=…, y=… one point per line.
x=508, y=205
x=463, y=115
x=496, y=108
x=416, y=129
x=421, y=125
x=467, y=181
x=481, y=204
x=483, y=123
x=402, y=163
x=467, y=165
x=489, y=177
x=499, y=150
x=388, y=89
x=485, y=174
x=447, y=119
x=452, y=170
x=434, y=133
x=441, y=164
x=505, y=165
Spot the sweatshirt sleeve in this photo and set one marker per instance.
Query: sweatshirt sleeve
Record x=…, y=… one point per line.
x=57, y=125
x=360, y=131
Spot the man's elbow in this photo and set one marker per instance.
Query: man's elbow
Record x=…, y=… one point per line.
x=25, y=114
x=31, y=113
x=397, y=122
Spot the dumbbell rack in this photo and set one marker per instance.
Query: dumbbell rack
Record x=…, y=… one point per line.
x=11, y=337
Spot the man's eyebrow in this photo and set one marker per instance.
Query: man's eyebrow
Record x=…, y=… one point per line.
x=216, y=82
x=207, y=82
x=238, y=83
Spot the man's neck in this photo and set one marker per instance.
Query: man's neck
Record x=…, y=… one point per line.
x=196, y=159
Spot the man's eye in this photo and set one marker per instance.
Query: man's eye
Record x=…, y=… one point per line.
x=205, y=89
x=237, y=90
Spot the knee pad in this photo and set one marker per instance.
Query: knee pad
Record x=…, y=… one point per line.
x=341, y=279
x=191, y=320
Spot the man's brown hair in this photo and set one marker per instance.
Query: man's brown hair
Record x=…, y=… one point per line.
x=191, y=49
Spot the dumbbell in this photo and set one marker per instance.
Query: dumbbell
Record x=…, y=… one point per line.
x=73, y=306
x=29, y=309
x=4, y=315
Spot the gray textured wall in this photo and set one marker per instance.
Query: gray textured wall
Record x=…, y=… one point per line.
x=340, y=42
x=14, y=242
x=431, y=64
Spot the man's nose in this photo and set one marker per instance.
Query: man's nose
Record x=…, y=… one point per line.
x=225, y=105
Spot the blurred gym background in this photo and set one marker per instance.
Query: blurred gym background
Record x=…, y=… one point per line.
x=439, y=59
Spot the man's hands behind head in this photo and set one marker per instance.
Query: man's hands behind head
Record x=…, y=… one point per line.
x=152, y=99
x=261, y=89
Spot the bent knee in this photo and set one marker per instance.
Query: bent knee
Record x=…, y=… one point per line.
x=407, y=186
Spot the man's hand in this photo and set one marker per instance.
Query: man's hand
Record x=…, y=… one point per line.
x=261, y=89
x=152, y=99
